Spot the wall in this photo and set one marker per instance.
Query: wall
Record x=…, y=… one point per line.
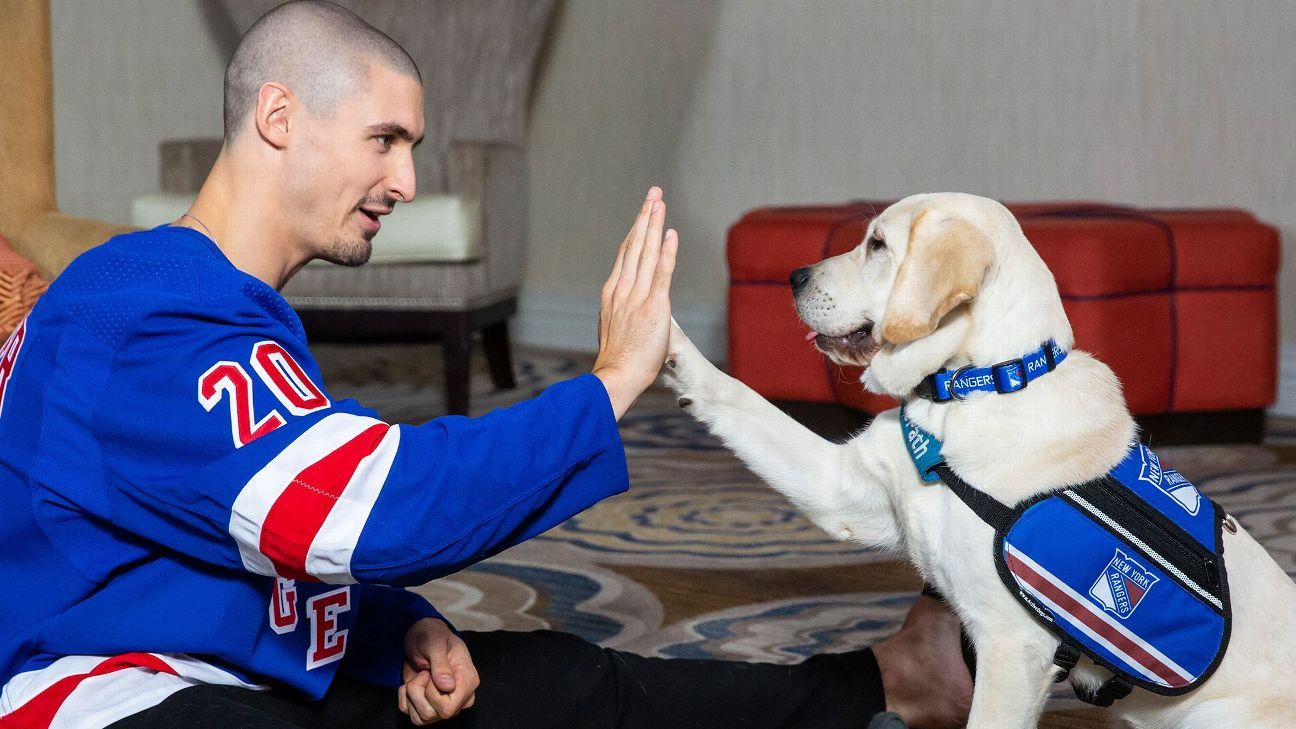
x=736, y=104
x=127, y=74
x=732, y=104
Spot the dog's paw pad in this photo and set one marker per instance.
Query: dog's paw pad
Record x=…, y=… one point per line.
x=684, y=402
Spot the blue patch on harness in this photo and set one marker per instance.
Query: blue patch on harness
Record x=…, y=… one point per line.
x=1127, y=568
x=1168, y=491
x=1123, y=604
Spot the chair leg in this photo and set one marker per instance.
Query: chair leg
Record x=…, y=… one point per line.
x=495, y=340
x=457, y=343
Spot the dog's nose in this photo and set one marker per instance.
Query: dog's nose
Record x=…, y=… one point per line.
x=799, y=278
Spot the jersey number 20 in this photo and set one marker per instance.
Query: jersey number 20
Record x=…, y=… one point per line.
x=280, y=373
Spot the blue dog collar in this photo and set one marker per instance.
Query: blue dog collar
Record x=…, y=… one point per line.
x=1008, y=376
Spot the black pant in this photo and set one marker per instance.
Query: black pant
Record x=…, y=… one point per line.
x=546, y=679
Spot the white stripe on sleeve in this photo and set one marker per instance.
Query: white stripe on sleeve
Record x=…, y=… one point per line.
x=254, y=502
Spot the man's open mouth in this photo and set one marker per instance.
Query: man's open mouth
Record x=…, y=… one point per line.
x=372, y=218
x=856, y=348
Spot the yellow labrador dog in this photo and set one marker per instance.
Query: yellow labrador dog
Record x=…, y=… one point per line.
x=943, y=281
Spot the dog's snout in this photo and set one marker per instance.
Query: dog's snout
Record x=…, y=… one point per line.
x=799, y=278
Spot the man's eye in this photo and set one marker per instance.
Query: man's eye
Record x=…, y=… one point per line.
x=384, y=140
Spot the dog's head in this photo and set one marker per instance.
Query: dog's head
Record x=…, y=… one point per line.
x=939, y=279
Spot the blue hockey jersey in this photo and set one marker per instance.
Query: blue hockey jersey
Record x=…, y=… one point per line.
x=179, y=482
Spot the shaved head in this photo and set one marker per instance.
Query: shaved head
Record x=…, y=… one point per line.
x=320, y=51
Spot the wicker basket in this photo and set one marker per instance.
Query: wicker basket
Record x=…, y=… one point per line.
x=20, y=286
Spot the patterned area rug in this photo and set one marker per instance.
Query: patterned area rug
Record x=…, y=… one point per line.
x=702, y=560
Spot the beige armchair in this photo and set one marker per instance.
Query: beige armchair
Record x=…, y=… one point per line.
x=477, y=58
x=29, y=216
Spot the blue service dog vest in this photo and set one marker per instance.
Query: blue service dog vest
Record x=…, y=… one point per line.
x=1127, y=569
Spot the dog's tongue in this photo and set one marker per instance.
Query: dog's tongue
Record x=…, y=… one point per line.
x=811, y=335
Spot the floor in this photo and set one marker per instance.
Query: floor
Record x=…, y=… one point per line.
x=700, y=559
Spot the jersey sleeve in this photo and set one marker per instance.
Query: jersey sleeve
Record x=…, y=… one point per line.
x=218, y=440
x=377, y=650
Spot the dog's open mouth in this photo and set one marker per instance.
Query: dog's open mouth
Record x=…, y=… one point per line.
x=855, y=349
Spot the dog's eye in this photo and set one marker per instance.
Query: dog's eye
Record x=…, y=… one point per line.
x=876, y=243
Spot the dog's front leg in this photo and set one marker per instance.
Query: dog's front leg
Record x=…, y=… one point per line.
x=842, y=488
x=1014, y=674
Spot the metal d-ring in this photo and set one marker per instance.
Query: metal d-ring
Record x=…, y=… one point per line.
x=953, y=393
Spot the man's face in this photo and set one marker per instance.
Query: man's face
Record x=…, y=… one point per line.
x=352, y=166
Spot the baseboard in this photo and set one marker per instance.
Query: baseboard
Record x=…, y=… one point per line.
x=1286, y=404
x=563, y=321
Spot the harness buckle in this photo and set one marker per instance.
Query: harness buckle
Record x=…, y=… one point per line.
x=1003, y=382
x=1111, y=691
x=1065, y=658
x=927, y=388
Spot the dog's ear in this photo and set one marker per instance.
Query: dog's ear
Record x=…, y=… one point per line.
x=943, y=267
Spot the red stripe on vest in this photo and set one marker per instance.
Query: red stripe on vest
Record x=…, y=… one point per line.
x=39, y=712
x=300, y=511
x=1082, y=614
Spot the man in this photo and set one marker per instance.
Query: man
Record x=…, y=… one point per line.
x=203, y=537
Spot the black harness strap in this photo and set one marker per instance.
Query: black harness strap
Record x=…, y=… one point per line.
x=1113, y=689
x=990, y=509
x=1065, y=657
x=1000, y=518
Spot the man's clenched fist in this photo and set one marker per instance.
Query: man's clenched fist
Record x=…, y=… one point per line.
x=439, y=677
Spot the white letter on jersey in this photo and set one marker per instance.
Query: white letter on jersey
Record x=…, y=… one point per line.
x=328, y=644
x=283, y=606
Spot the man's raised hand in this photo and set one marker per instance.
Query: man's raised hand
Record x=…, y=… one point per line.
x=634, y=315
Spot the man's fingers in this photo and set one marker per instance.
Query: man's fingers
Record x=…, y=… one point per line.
x=416, y=691
x=447, y=704
x=462, y=685
x=630, y=265
x=651, y=251
x=468, y=679
x=444, y=682
x=441, y=665
x=654, y=193
x=665, y=270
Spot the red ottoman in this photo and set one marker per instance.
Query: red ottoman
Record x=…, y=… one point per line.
x=1180, y=303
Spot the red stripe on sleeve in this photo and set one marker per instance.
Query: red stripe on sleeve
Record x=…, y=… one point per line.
x=298, y=514
x=40, y=710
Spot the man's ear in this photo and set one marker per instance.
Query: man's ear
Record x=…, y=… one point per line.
x=943, y=267
x=274, y=101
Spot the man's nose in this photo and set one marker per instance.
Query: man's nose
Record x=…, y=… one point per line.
x=799, y=278
x=402, y=185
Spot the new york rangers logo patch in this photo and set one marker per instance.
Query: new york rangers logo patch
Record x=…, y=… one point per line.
x=1122, y=585
x=1150, y=471
x=1169, y=481
x=1014, y=377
